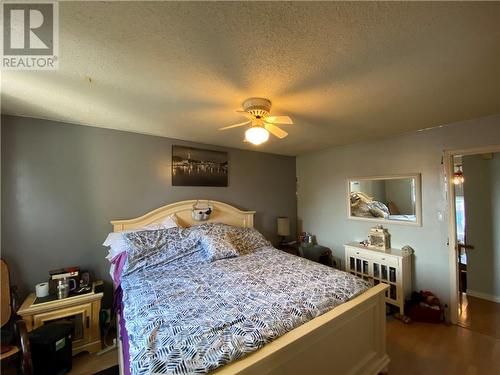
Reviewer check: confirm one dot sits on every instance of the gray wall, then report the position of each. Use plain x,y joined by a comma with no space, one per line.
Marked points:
482,225
399,192
63,183
322,192
372,188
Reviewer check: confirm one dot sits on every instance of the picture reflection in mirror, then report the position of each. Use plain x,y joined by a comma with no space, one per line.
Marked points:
384,198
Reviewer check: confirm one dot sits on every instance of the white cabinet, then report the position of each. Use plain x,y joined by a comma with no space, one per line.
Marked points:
391,267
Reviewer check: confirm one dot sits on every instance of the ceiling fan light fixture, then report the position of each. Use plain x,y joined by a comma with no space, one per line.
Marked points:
257,111
256,135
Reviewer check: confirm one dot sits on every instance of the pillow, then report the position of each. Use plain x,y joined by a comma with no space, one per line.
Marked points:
393,208
168,222
118,244
245,240
147,248
217,247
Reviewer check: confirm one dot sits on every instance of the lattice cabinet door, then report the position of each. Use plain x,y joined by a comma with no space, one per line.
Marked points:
391,267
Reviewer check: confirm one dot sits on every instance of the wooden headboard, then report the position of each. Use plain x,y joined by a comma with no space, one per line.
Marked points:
222,213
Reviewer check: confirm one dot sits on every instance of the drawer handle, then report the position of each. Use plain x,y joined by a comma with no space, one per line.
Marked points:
88,322
357,252
383,258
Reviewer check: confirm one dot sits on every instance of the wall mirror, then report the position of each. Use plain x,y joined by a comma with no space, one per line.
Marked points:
385,199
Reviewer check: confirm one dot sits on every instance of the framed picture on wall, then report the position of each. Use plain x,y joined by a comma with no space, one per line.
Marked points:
197,167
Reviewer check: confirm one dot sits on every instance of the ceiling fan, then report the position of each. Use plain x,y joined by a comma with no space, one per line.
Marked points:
257,112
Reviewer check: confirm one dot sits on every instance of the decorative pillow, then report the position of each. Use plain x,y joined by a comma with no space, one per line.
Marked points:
218,247
246,240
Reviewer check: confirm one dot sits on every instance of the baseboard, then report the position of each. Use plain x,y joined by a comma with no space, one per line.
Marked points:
488,297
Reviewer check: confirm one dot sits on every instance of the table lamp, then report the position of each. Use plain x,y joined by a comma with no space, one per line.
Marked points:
283,224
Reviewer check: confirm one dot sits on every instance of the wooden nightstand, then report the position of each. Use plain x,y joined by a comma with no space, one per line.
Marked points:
82,310
291,249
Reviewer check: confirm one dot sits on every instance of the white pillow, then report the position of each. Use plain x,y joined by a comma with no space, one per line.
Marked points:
118,244
168,222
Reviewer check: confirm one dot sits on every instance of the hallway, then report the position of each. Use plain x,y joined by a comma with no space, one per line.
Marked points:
479,315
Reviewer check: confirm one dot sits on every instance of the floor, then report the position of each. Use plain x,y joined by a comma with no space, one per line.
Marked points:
89,364
479,315
417,348
421,348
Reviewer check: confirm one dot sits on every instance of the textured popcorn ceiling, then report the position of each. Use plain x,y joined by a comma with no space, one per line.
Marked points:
345,72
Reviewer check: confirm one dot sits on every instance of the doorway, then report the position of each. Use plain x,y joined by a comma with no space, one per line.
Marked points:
474,201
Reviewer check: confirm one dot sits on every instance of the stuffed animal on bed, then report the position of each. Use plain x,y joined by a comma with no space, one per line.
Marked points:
364,206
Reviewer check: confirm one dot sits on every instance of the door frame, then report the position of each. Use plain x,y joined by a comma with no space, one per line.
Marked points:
452,230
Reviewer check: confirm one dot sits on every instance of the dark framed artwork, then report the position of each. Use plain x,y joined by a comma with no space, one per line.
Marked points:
197,167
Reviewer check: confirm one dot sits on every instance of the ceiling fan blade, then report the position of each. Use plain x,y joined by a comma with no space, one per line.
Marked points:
274,130
235,125
286,120
244,113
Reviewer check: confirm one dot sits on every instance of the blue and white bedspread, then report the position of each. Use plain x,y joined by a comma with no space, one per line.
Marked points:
185,315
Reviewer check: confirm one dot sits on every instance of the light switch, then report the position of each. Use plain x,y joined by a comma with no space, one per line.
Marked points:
440,216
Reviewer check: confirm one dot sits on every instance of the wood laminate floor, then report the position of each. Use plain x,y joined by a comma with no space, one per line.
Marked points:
479,315
421,348
89,364
415,349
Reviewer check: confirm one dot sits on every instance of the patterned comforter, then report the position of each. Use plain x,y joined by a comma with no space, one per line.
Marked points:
185,315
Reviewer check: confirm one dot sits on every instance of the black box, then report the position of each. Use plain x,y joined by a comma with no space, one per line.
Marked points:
51,348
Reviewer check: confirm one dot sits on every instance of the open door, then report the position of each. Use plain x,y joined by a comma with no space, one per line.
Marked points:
476,188
459,243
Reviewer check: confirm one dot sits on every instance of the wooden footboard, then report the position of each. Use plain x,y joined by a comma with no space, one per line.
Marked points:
350,339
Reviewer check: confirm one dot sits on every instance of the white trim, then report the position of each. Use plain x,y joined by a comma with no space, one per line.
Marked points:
452,230
486,296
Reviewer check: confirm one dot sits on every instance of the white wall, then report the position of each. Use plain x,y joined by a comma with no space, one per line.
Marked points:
322,190
482,223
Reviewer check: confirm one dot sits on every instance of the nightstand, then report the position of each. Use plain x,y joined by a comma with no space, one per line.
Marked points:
317,253
83,310
291,249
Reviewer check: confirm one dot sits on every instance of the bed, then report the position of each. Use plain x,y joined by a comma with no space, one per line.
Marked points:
348,338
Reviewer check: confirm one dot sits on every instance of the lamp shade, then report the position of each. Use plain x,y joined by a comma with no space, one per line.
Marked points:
283,226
